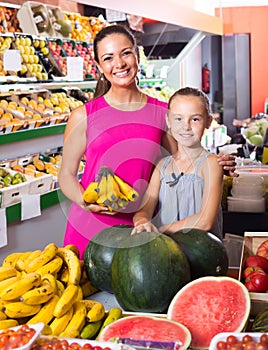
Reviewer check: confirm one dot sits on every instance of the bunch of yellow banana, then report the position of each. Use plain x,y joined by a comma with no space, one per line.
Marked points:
50,294
110,190
92,329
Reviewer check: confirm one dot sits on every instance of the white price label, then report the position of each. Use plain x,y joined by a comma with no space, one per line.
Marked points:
12,60
75,67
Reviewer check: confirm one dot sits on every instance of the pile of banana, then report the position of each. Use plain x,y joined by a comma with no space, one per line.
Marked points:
110,190
49,286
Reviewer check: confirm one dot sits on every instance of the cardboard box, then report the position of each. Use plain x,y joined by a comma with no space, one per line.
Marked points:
251,242
12,194
34,19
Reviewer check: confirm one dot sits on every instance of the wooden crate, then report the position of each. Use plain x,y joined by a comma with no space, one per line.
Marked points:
251,242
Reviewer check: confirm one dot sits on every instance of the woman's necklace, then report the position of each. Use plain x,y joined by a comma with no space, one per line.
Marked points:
126,106
176,177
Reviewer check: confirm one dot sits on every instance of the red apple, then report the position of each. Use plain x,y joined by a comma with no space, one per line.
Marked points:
250,269
257,260
257,282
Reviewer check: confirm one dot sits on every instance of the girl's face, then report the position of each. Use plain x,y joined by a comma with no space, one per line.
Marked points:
118,60
187,120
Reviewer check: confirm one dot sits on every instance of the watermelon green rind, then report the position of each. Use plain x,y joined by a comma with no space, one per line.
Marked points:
147,271
99,254
260,323
205,252
211,305
147,328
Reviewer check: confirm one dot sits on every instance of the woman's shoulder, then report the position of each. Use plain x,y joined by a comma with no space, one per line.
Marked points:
95,104
155,101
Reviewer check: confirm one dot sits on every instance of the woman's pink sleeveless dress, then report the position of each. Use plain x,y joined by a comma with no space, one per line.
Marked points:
129,143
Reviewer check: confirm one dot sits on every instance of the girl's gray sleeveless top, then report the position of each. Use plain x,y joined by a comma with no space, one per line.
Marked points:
183,198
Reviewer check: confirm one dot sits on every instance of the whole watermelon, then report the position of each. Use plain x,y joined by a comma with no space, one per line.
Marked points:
147,271
260,323
205,252
99,254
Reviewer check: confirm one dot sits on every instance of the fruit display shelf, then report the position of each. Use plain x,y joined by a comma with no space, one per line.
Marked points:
8,18
252,240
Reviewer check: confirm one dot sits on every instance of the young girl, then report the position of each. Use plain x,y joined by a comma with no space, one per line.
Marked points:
186,187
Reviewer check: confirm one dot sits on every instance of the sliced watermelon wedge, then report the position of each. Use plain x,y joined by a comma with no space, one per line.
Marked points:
146,328
211,305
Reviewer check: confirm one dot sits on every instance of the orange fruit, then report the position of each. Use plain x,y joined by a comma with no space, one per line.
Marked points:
4,103
7,116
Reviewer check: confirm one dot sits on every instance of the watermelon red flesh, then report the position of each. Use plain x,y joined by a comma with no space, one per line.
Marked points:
147,328
211,305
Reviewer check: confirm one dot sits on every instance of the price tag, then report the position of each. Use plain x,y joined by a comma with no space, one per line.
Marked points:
12,60
3,228
163,72
38,19
115,16
75,66
30,206
150,71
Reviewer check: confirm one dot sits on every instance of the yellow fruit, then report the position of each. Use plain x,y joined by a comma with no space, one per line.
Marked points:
35,58
36,43
22,41
28,41
42,43
31,59
23,69
24,100
45,50
25,58
26,50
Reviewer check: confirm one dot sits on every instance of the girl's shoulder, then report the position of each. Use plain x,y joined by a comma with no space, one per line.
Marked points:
212,157
163,162
210,164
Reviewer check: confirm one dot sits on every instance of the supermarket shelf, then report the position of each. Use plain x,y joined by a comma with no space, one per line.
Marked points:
46,200
85,84
31,134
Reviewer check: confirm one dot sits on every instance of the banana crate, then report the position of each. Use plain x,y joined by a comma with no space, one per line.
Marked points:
251,242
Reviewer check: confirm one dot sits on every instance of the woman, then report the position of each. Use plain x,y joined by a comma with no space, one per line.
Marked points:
121,128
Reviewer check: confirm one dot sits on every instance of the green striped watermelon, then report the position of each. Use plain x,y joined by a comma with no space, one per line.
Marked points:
99,254
147,271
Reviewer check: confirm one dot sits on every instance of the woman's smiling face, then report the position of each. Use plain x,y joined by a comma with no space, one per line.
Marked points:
118,59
